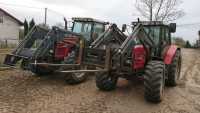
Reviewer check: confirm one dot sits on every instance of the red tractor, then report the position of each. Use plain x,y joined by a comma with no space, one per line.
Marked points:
44,51
147,53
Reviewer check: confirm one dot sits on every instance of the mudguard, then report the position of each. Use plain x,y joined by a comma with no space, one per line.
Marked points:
169,55
139,57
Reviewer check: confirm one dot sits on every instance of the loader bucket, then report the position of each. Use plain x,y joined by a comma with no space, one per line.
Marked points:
12,60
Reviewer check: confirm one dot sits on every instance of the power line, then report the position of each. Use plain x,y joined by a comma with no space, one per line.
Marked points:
57,13
40,8
192,24
24,6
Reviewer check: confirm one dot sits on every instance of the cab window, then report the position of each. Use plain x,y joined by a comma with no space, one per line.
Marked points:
83,28
154,33
165,39
98,29
167,35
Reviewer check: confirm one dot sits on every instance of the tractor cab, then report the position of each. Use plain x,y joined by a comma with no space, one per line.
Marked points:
159,33
89,28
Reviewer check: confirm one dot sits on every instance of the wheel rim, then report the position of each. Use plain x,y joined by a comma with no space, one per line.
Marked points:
79,75
111,79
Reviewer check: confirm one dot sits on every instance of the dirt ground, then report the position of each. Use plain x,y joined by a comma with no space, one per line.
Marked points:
22,92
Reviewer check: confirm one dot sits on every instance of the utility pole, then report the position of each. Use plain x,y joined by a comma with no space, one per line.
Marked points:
65,23
45,18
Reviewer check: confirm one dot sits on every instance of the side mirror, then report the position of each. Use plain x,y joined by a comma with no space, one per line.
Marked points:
172,27
124,27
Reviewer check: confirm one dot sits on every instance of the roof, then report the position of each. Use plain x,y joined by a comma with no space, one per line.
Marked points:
88,20
149,23
18,21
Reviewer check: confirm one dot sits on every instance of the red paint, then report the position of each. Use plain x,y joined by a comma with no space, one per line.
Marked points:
139,57
64,47
170,54
61,52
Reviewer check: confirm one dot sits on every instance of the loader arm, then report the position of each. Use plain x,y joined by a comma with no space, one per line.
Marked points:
24,51
111,34
124,53
35,33
139,33
95,55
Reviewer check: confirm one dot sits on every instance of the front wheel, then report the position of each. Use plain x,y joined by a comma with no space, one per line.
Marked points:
154,81
24,64
174,70
40,71
75,78
106,82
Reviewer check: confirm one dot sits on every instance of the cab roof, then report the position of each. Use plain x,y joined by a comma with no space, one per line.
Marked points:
82,19
150,23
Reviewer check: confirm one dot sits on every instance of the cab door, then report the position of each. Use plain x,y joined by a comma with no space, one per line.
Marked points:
98,29
165,40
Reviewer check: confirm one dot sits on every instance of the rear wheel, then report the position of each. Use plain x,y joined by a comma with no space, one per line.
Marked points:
106,82
154,81
174,70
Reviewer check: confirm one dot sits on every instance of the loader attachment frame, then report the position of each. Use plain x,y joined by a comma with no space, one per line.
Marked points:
104,56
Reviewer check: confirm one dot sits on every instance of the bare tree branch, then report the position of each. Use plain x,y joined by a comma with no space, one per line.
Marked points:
160,10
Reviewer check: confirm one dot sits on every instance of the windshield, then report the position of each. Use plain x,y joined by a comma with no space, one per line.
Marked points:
83,28
154,32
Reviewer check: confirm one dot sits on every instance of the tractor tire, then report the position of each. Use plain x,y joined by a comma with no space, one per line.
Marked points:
106,82
40,71
174,70
75,78
154,81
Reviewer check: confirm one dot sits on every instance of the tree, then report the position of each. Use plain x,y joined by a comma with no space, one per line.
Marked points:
31,24
21,34
179,41
160,10
188,45
25,27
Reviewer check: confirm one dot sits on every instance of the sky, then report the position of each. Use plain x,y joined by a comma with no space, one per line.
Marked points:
114,11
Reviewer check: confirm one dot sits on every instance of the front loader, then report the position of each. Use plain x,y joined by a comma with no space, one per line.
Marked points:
44,51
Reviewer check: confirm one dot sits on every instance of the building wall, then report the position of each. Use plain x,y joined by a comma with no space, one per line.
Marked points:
9,29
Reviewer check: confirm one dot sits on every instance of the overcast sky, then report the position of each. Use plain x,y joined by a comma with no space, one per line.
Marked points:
117,11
